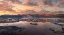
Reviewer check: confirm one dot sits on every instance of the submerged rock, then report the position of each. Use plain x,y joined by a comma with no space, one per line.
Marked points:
55,31
33,23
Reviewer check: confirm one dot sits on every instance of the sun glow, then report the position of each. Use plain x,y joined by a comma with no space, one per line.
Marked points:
18,8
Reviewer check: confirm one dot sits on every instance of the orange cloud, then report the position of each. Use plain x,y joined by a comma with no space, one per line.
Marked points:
33,6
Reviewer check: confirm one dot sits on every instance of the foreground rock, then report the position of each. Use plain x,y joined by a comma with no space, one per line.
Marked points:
10,30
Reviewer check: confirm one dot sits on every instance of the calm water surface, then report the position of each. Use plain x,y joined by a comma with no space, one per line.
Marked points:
41,28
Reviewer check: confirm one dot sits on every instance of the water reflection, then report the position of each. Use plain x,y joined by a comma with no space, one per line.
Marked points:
37,28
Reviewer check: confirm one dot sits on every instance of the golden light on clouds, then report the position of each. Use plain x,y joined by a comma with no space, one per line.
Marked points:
22,8
13,7
5,12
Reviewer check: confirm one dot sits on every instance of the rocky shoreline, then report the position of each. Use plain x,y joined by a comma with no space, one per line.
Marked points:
10,30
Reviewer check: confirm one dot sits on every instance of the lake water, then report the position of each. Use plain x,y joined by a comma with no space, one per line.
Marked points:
46,28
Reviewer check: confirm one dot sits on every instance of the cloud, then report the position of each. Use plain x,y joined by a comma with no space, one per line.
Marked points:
48,2
5,6
62,3
52,2
30,6
32,3
30,11
15,1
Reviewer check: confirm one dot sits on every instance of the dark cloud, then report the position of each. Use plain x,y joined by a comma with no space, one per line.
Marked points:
33,3
48,2
52,2
15,1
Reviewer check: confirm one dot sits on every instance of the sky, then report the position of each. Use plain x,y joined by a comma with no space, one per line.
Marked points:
14,7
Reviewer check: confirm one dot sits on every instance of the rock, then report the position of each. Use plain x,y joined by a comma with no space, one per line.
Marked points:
10,30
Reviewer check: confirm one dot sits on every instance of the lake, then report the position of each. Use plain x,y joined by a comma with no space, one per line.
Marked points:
37,28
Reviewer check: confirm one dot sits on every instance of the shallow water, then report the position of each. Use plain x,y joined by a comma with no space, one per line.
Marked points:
41,28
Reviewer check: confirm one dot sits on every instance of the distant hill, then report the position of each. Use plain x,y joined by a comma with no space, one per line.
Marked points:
34,16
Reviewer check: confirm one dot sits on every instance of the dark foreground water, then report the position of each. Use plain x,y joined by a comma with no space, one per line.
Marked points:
39,28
